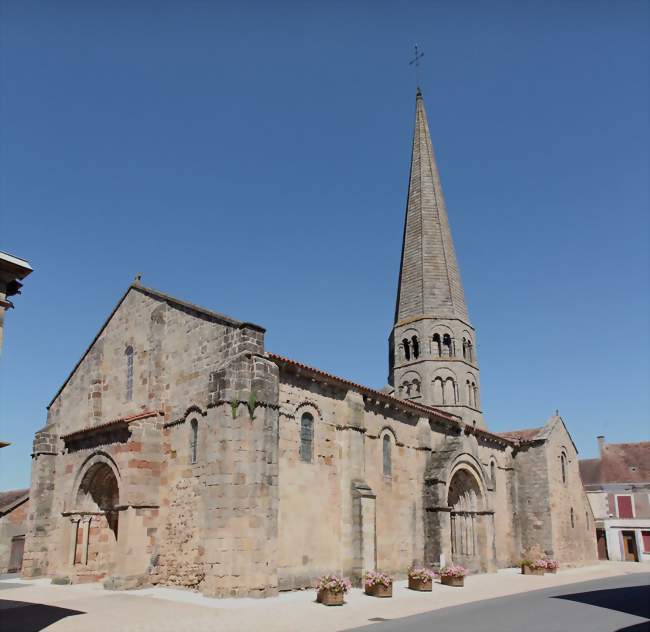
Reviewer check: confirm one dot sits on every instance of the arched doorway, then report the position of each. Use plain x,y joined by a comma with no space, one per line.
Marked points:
467,528
95,520
99,493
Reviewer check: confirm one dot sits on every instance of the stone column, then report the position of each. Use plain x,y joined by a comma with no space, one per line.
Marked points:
84,543
72,550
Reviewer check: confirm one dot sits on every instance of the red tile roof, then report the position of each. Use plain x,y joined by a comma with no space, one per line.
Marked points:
425,411
521,436
618,463
109,424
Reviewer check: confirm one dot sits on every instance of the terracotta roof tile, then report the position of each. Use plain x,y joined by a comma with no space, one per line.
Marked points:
522,436
618,463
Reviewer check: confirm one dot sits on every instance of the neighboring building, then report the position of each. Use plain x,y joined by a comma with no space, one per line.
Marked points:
618,487
14,506
179,451
12,271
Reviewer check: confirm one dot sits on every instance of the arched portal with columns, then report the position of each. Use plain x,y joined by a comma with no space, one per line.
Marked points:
94,517
465,500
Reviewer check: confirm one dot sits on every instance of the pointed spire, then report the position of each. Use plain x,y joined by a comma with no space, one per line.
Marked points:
429,283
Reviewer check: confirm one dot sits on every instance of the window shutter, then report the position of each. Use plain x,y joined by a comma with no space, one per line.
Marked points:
624,506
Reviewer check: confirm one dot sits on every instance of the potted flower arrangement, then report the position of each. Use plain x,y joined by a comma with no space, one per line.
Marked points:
420,578
452,575
551,566
532,567
378,584
330,589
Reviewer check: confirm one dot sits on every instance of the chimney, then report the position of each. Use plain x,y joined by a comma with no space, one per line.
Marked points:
601,443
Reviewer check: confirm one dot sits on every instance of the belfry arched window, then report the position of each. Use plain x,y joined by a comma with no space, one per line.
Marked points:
407,349
306,438
446,346
437,345
415,346
386,454
129,373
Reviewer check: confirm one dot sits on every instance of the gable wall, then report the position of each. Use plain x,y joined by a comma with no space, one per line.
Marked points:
574,544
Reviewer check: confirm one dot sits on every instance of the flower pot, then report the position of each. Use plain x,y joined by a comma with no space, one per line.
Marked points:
379,590
551,570
527,570
329,598
420,584
459,582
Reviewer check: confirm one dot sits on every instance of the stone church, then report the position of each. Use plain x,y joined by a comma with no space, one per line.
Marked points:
179,451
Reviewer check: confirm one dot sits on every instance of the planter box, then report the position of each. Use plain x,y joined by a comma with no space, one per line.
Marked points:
379,590
459,582
329,598
527,570
552,571
420,584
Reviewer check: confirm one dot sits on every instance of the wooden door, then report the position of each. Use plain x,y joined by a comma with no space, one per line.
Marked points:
629,547
16,556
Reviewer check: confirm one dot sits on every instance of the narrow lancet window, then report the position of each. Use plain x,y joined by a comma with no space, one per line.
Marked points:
194,440
129,373
306,438
388,466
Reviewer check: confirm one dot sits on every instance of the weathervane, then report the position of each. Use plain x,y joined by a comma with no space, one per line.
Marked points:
416,61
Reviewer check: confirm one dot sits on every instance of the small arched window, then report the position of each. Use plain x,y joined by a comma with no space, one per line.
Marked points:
194,440
386,448
464,348
563,467
129,373
416,347
469,351
437,345
573,519
446,345
306,438
493,474
407,349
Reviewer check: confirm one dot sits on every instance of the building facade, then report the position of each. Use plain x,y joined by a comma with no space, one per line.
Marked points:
14,507
618,487
12,271
180,451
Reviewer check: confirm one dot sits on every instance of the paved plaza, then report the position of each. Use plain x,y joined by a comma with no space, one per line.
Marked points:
30,605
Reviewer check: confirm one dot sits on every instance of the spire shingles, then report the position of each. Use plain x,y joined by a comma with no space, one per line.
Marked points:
429,283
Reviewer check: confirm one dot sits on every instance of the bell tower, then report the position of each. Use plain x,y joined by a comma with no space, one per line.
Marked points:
432,347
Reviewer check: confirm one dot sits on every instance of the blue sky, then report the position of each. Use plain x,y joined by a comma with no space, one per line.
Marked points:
252,157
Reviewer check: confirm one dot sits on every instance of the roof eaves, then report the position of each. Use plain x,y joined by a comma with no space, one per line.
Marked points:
425,411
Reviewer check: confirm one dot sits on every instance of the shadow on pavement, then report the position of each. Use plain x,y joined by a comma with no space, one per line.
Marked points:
639,627
23,616
634,600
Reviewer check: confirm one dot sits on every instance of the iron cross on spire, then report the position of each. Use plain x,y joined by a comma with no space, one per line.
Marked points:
416,60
